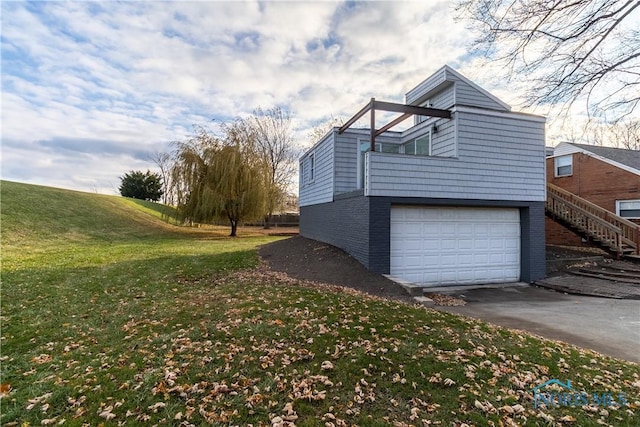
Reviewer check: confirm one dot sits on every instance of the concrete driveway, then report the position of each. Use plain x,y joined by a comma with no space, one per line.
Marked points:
608,326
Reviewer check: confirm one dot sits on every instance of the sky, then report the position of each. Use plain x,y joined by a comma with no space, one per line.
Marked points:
91,90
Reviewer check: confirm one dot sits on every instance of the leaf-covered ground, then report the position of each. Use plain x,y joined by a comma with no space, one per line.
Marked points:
255,347
152,325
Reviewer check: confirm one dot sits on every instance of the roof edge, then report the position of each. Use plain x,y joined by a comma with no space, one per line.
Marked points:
597,156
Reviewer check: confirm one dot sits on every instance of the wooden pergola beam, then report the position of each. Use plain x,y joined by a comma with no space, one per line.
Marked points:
412,109
406,110
391,124
355,118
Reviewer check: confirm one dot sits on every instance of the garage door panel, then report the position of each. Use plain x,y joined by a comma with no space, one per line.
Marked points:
465,244
448,245
513,243
512,259
480,258
481,244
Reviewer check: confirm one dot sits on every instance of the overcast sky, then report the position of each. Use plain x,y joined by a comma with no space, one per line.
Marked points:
91,89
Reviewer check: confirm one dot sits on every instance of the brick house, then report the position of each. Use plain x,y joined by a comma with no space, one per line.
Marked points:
608,177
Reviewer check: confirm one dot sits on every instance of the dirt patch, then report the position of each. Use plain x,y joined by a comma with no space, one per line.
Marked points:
561,258
555,252
308,259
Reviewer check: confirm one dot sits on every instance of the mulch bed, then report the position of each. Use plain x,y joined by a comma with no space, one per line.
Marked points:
307,259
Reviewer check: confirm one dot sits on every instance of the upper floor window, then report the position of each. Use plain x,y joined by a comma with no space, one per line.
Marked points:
307,168
387,148
564,165
419,147
629,209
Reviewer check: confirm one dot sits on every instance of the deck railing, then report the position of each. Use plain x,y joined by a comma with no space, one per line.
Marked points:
616,233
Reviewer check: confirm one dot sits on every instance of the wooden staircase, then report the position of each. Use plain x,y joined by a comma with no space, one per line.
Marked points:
610,231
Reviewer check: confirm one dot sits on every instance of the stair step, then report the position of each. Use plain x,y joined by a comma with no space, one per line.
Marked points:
635,281
583,217
611,273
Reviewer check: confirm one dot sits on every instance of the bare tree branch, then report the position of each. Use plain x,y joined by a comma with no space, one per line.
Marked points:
566,50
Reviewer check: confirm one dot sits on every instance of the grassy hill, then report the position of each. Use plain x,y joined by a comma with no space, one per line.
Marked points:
37,215
111,316
52,226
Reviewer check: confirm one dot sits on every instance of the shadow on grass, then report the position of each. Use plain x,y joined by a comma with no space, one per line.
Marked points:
166,213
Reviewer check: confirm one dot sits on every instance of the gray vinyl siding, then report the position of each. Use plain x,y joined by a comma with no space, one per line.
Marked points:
443,141
466,94
346,157
443,99
499,158
346,162
447,87
320,188
415,94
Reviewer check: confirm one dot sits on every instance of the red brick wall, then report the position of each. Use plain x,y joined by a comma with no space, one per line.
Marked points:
594,180
556,234
597,181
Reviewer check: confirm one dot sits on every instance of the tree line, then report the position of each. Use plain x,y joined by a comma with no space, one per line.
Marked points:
241,174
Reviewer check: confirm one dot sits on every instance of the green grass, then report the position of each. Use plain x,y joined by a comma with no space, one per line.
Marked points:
110,315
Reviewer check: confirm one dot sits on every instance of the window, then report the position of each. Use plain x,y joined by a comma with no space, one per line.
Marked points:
419,147
308,169
564,165
387,148
629,209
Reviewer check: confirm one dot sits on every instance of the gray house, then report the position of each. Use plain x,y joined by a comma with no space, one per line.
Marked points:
458,198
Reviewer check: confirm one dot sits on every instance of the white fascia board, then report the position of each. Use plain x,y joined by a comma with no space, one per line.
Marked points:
504,114
426,89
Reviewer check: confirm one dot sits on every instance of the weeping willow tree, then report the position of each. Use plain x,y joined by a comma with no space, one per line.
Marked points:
217,179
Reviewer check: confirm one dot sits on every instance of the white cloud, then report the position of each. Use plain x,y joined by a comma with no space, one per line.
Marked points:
88,87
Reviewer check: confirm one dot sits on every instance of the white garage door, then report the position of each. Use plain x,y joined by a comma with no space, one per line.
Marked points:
451,245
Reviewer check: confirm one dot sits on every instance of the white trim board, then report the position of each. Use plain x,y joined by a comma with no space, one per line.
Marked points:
567,148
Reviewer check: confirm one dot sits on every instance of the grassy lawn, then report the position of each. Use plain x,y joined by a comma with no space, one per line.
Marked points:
111,316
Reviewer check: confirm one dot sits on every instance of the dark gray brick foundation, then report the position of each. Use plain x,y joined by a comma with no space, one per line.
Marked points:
361,227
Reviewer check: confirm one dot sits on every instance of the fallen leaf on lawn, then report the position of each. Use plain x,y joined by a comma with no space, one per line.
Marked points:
326,366
156,406
43,358
107,414
5,388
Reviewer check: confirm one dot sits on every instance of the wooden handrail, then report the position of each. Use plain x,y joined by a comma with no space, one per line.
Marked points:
614,231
